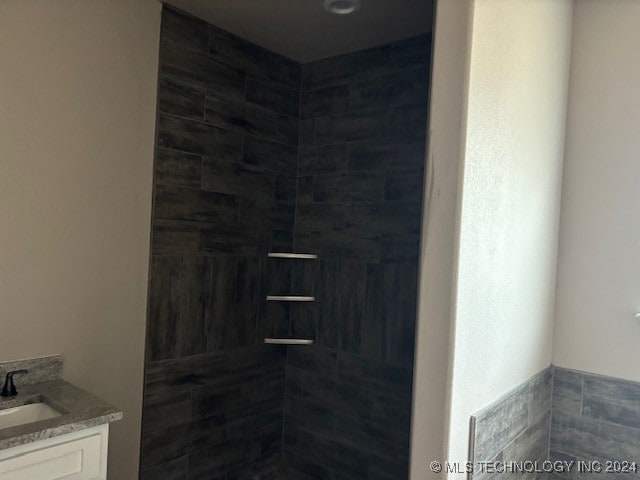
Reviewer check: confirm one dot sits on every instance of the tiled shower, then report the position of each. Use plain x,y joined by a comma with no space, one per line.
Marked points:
257,154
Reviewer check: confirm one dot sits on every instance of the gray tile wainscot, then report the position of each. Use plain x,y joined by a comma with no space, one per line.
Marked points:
515,427
595,418
567,416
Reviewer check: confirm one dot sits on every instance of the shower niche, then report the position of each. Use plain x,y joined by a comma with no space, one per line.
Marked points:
262,363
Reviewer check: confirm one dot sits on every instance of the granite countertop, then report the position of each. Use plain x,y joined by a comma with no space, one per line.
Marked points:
79,410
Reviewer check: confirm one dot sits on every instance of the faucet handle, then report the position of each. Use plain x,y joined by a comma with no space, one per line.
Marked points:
9,388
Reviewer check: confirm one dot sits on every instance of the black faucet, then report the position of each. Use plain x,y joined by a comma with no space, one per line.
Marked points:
9,389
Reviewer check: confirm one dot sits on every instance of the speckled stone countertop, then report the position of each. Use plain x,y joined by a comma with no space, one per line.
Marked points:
79,410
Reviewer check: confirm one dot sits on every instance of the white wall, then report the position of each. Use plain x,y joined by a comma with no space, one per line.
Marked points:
512,174
77,119
445,150
599,253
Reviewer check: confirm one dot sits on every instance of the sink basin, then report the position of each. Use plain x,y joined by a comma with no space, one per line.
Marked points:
33,412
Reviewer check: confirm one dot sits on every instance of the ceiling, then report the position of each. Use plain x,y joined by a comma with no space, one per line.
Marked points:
304,31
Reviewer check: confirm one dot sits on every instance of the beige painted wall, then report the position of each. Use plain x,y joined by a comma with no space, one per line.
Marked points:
505,276
448,102
599,259
77,119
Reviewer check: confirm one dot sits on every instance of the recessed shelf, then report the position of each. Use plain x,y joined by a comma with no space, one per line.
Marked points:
289,298
301,256
288,341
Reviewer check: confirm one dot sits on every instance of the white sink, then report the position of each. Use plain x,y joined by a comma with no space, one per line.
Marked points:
33,412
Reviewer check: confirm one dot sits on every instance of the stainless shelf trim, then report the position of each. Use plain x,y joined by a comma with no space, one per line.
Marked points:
289,298
302,256
288,341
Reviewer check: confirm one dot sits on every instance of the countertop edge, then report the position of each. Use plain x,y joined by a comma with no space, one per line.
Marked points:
60,430
81,410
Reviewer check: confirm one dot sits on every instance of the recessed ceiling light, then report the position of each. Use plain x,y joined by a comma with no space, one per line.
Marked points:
342,7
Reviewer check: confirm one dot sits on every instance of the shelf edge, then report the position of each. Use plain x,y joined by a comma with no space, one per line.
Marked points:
288,341
289,298
301,256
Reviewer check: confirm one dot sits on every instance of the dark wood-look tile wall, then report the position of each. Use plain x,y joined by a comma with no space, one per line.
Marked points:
362,147
224,185
212,413
347,416
224,194
358,206
257,154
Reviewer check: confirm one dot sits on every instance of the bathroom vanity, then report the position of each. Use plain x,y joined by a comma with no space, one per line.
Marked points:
52,429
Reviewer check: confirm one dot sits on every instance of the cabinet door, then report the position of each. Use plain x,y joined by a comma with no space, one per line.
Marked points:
73,460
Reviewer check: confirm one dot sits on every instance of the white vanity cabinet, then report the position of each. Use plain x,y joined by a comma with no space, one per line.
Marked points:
80,455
